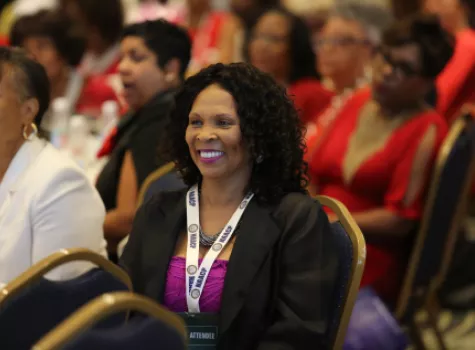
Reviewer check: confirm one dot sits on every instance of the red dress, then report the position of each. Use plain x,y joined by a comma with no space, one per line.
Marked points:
379,180
320,121
456,83
310,98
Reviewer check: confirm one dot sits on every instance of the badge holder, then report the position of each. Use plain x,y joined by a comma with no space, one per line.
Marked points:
202,329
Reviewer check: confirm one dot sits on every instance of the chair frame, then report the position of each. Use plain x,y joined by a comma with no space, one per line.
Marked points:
102,307
162,171
357,264
428,295
38,270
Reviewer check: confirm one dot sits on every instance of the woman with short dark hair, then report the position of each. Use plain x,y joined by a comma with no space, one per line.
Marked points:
52,40
154,56
46,202
244,249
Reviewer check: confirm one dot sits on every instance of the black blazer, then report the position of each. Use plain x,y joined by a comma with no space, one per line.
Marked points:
280,278
139,133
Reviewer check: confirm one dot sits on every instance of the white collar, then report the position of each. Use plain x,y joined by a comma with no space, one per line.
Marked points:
23,159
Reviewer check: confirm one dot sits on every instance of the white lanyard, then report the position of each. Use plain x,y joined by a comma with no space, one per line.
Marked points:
196,275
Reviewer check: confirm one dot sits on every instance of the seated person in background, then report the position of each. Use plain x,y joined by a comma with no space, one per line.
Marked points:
213,33
376,156
102,24
46,201
345,48
153,59
456,83
237,140
50,39
280,45
347,43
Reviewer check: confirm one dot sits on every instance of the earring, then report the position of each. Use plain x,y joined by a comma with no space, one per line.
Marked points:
33,133
259,159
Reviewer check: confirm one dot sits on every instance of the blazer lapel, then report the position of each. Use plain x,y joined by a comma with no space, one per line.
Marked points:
24,158
162,246
256,237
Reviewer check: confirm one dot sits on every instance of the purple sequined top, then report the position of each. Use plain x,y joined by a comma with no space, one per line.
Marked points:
175,297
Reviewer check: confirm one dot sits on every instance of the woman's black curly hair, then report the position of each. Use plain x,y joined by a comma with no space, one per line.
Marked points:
270,127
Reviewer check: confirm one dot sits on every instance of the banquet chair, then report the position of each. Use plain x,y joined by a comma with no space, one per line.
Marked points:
164,178
32,305
161,330
444,210
352,256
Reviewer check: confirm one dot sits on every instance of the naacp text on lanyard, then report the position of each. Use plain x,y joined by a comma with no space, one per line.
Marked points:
196,275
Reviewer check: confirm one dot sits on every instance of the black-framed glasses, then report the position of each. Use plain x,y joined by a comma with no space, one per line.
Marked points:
400,68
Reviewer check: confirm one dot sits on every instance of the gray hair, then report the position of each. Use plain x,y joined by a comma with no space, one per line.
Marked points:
374,16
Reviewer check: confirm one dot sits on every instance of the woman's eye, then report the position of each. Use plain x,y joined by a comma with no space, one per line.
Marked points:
136,57
195,122
224,123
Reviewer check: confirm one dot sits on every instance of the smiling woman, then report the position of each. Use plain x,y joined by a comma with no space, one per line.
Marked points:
214,135
264,270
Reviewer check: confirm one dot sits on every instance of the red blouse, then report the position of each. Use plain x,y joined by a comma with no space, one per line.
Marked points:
101,82
97,89
310,98
456,83
205,40
380,181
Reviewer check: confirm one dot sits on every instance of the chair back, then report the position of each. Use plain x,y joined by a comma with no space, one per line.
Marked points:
32,305
165,178
161,330
443,214
352,256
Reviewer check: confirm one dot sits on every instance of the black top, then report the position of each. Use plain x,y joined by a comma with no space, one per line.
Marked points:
280,277
140,134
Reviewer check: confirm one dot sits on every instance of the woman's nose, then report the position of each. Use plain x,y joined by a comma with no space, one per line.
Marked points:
123,66
206,134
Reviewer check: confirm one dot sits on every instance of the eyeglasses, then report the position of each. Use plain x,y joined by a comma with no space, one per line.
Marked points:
338,42
398,68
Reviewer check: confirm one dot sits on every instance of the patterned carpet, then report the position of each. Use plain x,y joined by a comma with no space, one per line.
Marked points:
458,329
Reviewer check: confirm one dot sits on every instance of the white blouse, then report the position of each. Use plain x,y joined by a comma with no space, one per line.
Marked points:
46,204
